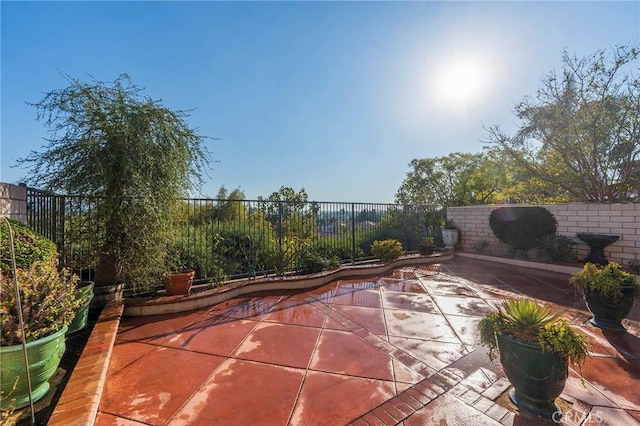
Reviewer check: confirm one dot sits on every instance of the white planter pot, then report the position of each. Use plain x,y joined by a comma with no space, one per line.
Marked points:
449,238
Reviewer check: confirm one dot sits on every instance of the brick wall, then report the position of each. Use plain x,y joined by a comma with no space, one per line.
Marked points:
618,219
13,202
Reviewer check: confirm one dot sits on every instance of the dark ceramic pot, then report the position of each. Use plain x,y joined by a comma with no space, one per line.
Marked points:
538,378
607,313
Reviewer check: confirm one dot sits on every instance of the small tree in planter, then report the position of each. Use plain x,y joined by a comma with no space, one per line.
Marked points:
609,292
535,348
134,155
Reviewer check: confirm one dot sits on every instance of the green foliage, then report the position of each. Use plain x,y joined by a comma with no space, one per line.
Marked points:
580,133
29,247
634,266
606,280
48,302
314,260
386,250
526,320
556,248
458,179
137,156
481,246
522,227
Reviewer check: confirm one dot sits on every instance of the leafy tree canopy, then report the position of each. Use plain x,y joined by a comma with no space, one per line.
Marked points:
581,133
454,180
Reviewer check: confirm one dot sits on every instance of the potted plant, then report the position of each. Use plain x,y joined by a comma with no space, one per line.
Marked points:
535,348
136,200
450,235
609,292
48,301
84,295
426,246
179,279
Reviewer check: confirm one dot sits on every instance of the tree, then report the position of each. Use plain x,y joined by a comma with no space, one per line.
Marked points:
581,133
295,220
455,180
108,140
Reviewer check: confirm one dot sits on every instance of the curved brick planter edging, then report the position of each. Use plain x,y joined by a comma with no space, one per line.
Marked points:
175,304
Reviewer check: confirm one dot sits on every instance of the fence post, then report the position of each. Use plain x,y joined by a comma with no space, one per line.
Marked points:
353,233
280,252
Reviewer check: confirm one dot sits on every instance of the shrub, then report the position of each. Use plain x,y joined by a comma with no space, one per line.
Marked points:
314,260
522,227
556,248
386,249
48,302
29,247
481,246
606,280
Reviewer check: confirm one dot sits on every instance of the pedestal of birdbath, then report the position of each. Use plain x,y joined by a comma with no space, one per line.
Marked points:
597,243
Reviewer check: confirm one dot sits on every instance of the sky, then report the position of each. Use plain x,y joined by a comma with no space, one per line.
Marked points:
333,97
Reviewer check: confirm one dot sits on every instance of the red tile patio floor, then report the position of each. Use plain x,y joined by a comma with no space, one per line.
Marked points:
397,349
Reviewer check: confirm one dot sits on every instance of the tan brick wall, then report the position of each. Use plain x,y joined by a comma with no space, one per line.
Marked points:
618,219
13,202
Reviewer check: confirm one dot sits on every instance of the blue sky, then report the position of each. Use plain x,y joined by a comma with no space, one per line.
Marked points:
335,97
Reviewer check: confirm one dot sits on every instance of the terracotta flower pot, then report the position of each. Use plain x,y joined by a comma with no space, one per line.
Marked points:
176,283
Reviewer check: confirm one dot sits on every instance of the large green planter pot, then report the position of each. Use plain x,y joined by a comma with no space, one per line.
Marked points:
44,357
538,378
607,314
84,293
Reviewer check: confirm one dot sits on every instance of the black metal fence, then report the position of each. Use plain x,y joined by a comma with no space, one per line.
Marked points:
233,238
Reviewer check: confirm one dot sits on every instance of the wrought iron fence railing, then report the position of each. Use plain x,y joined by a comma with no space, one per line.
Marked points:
238,238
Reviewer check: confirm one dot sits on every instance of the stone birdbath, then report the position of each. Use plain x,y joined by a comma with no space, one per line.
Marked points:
597,243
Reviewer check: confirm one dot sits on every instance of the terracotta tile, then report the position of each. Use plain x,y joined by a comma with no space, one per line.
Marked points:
607,416
370,318
106,419
436,355
330,399
469,306
216,335
419,325
409,301
346,353
243,393
124,353
332,324
441,286
249,308
615,378
465,327
365,298
404,286
154,329
157,384
297,311
354,285
448,410
322,294
279,344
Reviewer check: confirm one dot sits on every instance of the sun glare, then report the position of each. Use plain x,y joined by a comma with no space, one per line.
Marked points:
459,83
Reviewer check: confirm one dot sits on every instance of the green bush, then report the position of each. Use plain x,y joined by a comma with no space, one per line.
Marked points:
556,248
386,249
48,302
314,260
522,227
29,247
